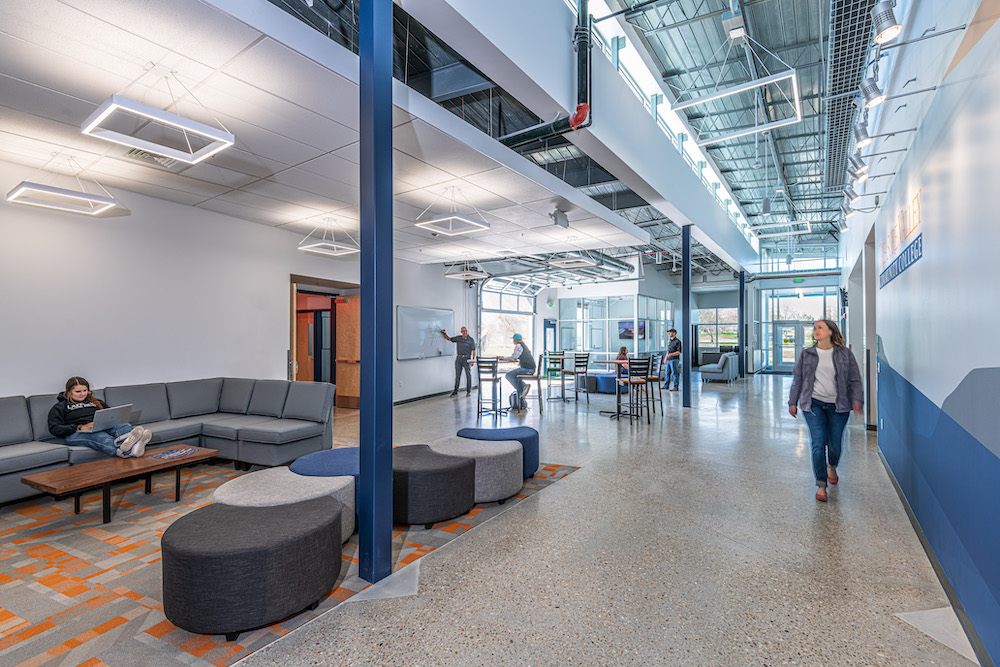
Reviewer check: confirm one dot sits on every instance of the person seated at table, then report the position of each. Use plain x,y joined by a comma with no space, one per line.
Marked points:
623,356
72,417
526,366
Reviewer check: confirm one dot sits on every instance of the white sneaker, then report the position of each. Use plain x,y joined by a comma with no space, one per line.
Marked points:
140,447
128,442
524,392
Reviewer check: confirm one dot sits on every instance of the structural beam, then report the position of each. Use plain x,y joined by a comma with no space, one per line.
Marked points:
375,480
741,341
687,343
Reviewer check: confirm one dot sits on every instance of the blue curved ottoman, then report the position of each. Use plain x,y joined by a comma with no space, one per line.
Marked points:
329,463
606,384
527,436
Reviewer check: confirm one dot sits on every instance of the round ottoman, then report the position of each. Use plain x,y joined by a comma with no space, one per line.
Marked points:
229,569
281,486
606,383
527,436
329,463
498,465
428,487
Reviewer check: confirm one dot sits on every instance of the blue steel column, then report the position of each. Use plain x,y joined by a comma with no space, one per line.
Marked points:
375,483
687,342
741,336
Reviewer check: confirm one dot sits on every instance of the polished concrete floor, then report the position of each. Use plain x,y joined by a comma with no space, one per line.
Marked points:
695,540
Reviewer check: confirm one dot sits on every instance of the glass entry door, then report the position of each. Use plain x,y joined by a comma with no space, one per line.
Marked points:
788,340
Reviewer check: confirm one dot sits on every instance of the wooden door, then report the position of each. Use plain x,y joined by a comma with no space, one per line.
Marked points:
348,352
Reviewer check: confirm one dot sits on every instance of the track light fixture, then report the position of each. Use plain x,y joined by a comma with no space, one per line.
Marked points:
872,93
846,210
861,138
887,28
843,226
858,178
851,195
857,164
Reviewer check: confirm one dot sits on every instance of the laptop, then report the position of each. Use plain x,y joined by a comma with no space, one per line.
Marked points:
112,417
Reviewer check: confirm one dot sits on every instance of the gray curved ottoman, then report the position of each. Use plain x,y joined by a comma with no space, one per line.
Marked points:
428,487
281,486
228,569
498,465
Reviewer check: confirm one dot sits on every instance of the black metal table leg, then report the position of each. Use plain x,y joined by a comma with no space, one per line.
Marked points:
149,482
177,485
106,493
76,504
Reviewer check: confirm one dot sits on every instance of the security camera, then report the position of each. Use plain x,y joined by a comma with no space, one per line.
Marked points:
434,234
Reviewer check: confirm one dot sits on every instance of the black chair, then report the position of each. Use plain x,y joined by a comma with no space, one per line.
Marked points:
538,379
488,371
637,381
555,362
579,370
654,378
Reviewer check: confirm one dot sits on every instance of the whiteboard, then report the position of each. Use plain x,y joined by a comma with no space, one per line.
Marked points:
418,332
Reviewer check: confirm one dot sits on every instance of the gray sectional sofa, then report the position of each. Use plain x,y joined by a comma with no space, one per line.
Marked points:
726,370
263,422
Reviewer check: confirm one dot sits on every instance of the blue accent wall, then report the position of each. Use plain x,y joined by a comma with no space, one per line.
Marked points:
951,481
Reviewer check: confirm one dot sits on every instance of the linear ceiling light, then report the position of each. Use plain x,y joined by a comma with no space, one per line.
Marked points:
573,261
790,223
141,126
453,224
851,195
60,199
871,92
798,232
861,138
887,28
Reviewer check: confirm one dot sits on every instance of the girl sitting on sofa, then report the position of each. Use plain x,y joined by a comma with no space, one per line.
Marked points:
72,417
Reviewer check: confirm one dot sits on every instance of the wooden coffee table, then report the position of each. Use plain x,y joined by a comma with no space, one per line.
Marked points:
74,480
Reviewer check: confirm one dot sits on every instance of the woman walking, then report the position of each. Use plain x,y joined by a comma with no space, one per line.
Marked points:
827,386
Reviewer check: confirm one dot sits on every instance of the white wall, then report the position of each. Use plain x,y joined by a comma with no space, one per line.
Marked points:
424,285
170,292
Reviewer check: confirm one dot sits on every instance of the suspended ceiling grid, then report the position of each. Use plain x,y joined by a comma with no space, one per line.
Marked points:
683,35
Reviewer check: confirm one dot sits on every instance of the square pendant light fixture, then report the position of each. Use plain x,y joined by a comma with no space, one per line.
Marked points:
329,248
467,271
60,199
573,261
69,200
130,123
453,224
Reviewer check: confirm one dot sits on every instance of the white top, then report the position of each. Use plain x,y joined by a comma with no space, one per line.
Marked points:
825,387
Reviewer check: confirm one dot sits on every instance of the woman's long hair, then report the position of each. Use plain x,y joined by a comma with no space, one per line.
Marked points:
622,353
836,337
77,380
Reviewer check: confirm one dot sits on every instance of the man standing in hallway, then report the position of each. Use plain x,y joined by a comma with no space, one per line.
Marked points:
526,366
465,349
673,358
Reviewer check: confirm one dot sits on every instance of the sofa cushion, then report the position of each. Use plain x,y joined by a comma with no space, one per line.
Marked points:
268,397
280,431
38,410
28,455
175,429
194,397
235,395
15,425
229,428
312,401
151,399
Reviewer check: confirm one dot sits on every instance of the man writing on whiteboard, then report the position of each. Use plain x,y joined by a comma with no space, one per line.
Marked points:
465,348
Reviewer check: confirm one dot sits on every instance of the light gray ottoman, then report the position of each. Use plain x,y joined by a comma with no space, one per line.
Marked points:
281,486
498,465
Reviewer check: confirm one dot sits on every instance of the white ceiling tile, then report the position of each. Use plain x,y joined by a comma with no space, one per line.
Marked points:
281,210
208,171
509,184
139,172
245,212
236,159
431,145
333,166
317,185
284,73
521,216
416,172
290,195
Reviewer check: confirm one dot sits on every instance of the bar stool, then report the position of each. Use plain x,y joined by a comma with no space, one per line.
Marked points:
538,379
654,377
580,364
555,362
487,369
637,381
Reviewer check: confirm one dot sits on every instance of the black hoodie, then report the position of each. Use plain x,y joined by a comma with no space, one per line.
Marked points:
66,417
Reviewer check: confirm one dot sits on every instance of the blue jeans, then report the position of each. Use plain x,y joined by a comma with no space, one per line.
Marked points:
516,381
674,371
102,441
826,427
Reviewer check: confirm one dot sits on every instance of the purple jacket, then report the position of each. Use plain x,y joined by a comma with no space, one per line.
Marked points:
849,386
